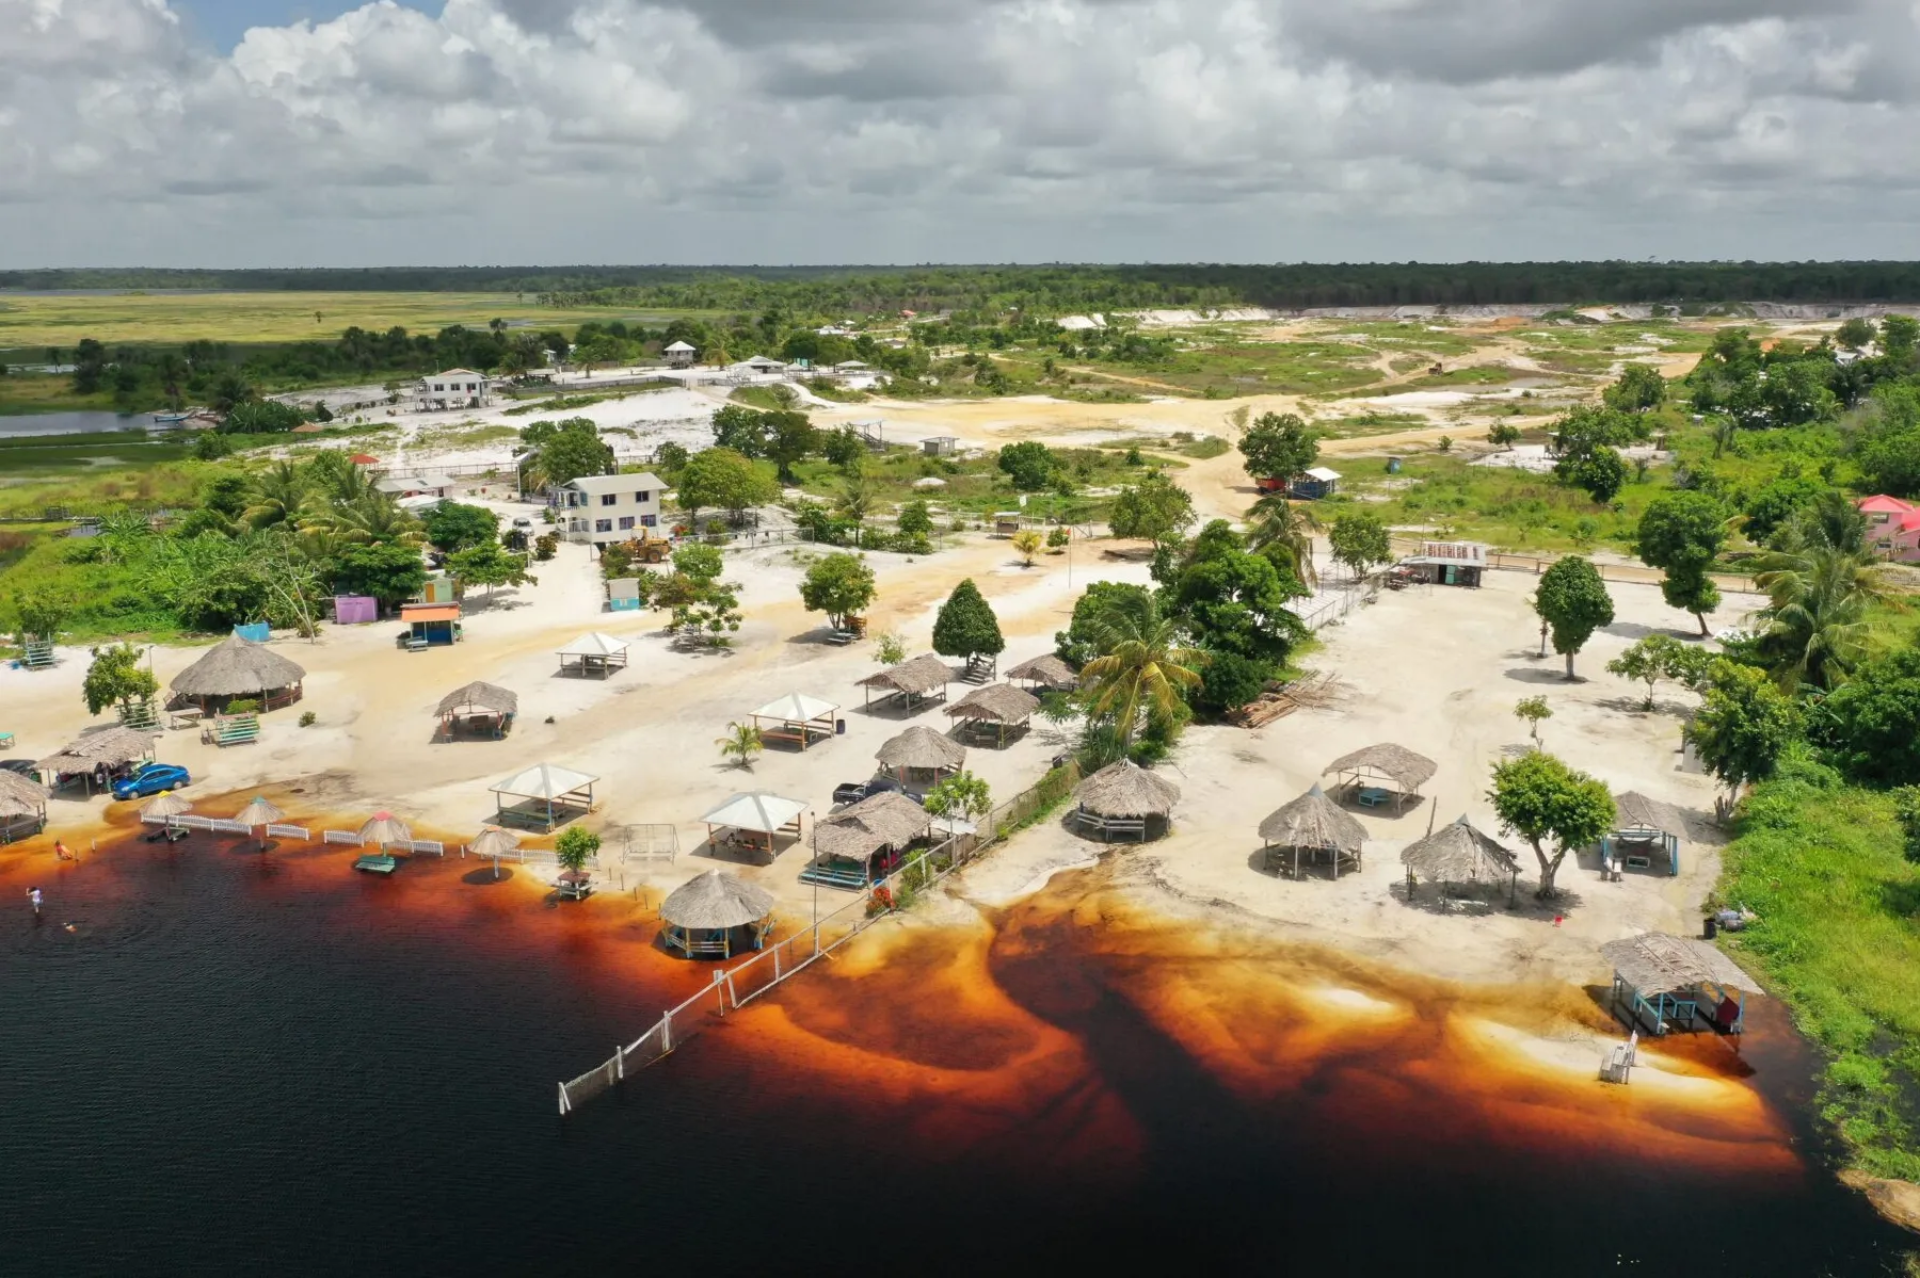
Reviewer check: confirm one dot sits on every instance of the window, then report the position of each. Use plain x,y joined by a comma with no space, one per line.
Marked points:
609,499
641,498
603,525
439,386
626,522
649,521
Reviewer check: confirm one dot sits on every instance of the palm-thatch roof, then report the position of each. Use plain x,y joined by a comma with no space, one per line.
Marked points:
716,901
1636,811
110,747
1048,670
1000,703
921,747
1314,821
258,812
1407,770
479,696
912,678
384,828
21,797
166,804
885,820
237,667
1458,853
494,841
1127,791
1655,962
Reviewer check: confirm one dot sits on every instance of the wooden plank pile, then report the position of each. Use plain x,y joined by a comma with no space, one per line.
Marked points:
1281,700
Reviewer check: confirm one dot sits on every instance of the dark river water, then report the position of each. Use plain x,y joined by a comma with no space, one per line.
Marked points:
72,423
235,1064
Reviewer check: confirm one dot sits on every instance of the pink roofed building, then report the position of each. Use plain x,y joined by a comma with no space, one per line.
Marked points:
1893,528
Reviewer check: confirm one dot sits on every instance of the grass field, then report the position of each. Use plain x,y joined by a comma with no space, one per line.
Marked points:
48,456
31,323
47,393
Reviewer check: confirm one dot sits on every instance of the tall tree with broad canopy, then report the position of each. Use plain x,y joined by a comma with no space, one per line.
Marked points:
1232,600
1279,446
383,571
1681,534
966,626
840,585
722,479
1639,388
1156,509
1744,726
116,677
1573,602
1550,804
452,526
1360,541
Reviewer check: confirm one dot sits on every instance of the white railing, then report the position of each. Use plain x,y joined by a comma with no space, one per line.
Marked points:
349,837
290,832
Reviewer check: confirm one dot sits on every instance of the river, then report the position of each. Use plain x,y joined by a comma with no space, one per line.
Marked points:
245,1063
72,423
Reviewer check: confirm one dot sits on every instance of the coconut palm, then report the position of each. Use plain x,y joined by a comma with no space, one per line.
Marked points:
333,473
1275,522
740,744
372,518
280,495
1816,612
1143,666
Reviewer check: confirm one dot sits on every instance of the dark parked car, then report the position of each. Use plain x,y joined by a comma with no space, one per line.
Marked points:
150,779
854,791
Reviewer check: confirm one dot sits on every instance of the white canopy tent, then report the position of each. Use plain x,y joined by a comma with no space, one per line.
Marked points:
746,815
798,718
594,653
545,788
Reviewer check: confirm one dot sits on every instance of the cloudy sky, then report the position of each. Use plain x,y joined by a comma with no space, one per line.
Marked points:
270,132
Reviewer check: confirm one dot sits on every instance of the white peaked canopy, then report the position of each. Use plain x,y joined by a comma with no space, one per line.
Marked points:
595,644
679,348
545,781
765,813
796,707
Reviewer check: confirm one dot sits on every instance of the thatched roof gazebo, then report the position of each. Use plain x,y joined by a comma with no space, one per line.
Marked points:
1124,800
1659,980
1001,705
715,914
486,704
1316,825
1458,853
1646,831
238,669
846,843
23,807
108,750
1389,762
921,755
910,681
1048,672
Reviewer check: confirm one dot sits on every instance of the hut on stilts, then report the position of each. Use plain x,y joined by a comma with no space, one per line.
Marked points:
716,916
1125,801
1000,707
1458,855
1316,825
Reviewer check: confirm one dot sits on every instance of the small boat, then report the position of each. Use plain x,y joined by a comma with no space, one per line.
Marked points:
377,863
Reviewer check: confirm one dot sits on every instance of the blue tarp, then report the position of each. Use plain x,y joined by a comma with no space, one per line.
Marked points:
259,632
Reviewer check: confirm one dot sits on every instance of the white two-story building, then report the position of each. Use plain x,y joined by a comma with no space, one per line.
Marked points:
455,388
603,509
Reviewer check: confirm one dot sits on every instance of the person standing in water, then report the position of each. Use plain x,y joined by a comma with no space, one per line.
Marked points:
33,894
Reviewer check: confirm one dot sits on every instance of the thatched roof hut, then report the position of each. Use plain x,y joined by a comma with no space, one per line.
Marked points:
1458,853
921,749
238,668
1660,980
911,680
1645,831
23,803
109,748
1001,705
482,698
1636,811
1405,769
703,914
1316,825
887,821
1046,672
1124,800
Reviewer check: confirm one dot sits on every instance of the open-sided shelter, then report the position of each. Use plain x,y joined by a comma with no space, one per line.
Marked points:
98,756
908,683
1000,707
1447,563
481,708
1125,801
543,796
798,719
715,916
23,807
1360,772
1646,836
847,844
1048,673
237,669
755,820
1317,826
921,757
1660,981
1457,854
594,654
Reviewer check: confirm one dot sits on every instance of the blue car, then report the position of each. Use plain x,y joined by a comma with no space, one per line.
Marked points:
150,779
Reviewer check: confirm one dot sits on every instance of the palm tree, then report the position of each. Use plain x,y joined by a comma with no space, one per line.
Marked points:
856,497
1143,666
740,744
1817,600
281,495
373,517
334,474
1276,522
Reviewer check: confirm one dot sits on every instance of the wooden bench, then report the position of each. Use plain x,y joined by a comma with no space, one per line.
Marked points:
847,880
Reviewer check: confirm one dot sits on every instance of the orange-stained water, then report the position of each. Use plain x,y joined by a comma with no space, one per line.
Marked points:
246,1061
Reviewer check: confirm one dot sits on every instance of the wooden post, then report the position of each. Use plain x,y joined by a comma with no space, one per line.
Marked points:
619,1063
666,1032
564,1106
